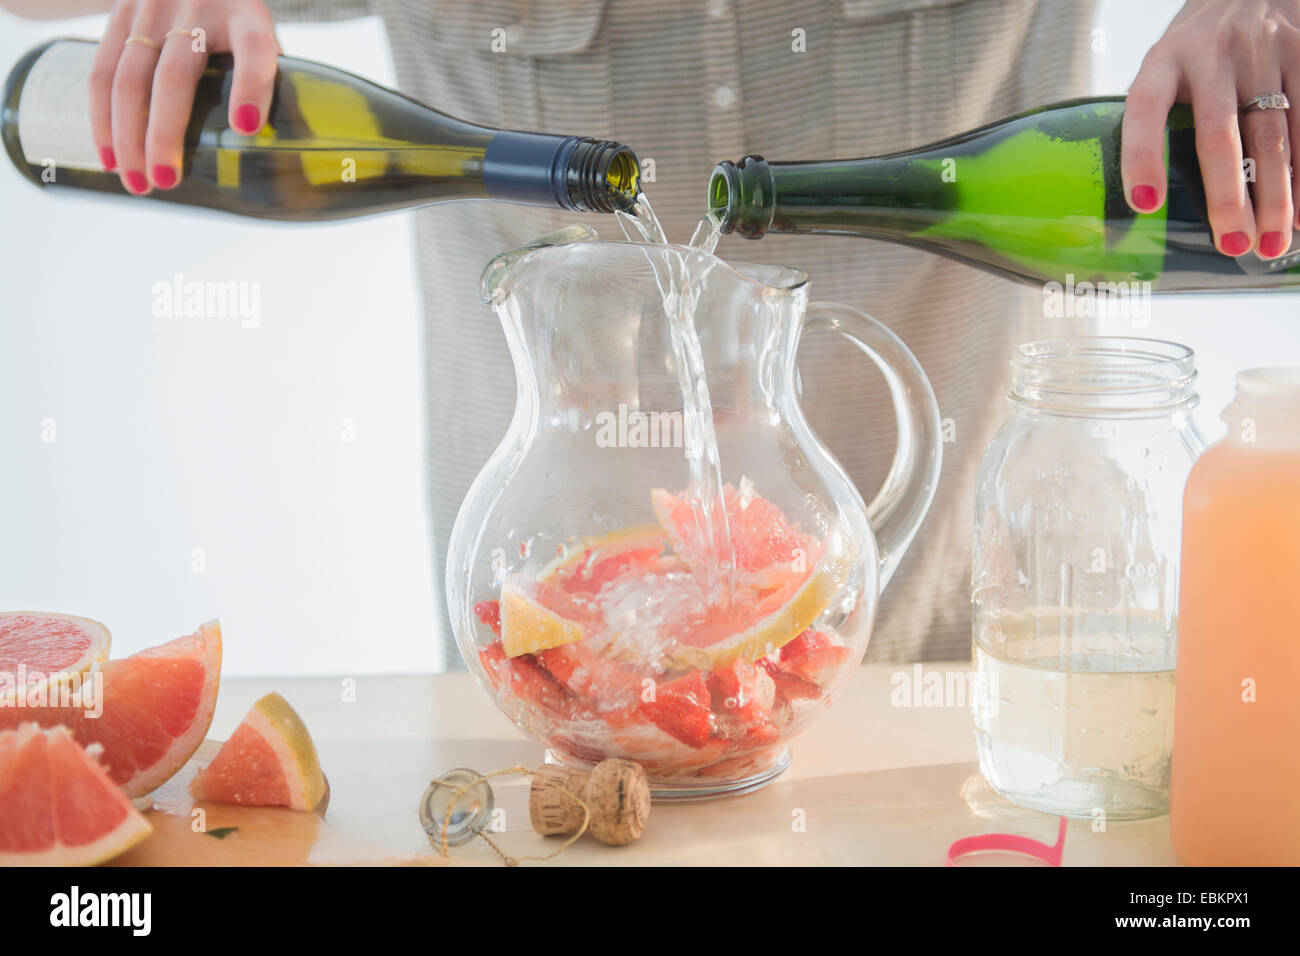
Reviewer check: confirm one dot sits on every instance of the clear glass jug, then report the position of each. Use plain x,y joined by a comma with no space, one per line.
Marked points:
604,611
1078,510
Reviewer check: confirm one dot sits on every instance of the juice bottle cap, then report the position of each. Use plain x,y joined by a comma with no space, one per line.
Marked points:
1276,384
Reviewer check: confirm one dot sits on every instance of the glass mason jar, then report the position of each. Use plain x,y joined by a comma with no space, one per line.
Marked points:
1074,583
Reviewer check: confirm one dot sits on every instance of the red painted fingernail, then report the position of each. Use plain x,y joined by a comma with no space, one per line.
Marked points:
1270,245
247,118
136,182
107,158
1144,197
164,176
1234,243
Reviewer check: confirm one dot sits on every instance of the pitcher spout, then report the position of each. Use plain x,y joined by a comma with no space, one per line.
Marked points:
494,274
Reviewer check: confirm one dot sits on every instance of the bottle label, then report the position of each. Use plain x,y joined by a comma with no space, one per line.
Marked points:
54,108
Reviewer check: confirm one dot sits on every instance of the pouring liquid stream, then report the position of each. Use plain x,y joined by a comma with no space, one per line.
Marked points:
680,292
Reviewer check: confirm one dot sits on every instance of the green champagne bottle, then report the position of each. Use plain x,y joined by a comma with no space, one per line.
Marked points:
1037,197
334,145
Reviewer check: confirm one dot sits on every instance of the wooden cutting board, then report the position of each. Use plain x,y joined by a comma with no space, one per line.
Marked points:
261,836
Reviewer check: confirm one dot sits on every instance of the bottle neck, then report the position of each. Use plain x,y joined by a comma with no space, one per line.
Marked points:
573,173
1265,414
889,197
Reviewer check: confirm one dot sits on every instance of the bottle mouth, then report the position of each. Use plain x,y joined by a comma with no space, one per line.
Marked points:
742,197
724,181
1109,376
602,176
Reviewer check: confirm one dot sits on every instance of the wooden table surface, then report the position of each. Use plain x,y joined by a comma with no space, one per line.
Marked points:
871,782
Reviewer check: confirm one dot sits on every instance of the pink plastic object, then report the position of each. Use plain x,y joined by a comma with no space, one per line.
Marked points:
1009,843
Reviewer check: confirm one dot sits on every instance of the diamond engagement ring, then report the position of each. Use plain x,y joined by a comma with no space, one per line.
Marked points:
1266,101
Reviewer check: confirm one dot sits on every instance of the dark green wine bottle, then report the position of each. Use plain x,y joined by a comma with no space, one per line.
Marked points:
1037,197
333,146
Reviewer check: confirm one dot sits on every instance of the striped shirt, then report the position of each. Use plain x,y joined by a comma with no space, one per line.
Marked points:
687,84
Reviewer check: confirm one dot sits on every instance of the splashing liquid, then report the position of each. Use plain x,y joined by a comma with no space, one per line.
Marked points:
679,287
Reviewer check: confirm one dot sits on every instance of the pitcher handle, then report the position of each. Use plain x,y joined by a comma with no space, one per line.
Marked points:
903,500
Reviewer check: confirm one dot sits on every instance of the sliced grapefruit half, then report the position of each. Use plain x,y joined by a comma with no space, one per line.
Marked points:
58,806
269,761
149,712
51,649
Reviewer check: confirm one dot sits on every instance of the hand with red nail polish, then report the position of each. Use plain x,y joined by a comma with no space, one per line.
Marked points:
1217,55
141,94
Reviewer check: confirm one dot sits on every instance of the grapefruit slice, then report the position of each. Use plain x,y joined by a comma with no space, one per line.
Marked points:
754,630
767,547
603,558
150,712
58,807
538,616
269,761
39,647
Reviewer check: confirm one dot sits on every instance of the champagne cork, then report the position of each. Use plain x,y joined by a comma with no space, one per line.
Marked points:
617,792
552,812
619,796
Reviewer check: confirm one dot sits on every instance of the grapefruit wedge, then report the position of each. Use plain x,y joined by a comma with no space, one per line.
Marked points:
58,807
603,558
754,630
559,607
269,761
528,625
50,649
149,713
767,547
786,578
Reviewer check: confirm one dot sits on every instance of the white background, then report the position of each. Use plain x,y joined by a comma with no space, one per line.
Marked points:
181,434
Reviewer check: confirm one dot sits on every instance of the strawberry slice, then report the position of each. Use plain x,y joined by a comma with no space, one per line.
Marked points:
742,690
789,686
524,679
489,612
815,657
611,686
758,732
803,645
681,708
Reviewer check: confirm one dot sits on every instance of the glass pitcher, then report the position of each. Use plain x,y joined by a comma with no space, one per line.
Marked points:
1078,513
630,579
